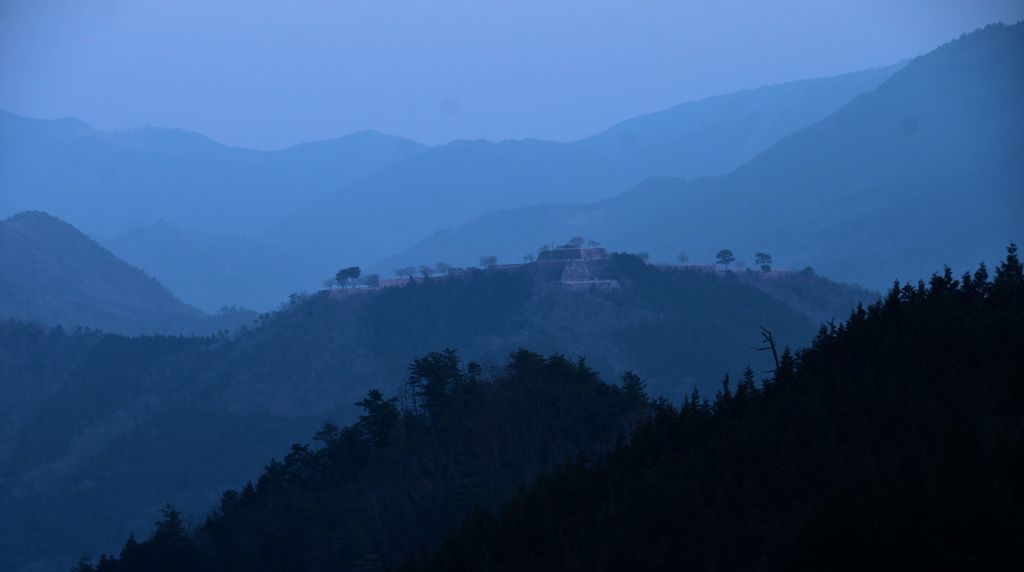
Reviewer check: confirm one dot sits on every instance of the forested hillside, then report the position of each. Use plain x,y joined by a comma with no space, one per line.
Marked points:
407,471
893,442
665,286
160,405
51,273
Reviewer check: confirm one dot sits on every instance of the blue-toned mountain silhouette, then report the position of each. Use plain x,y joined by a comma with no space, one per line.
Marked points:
923,171
52,274
450,184
107,183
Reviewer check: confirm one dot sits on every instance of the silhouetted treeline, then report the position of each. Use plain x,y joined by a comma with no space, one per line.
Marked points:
108,428
410,469
893,442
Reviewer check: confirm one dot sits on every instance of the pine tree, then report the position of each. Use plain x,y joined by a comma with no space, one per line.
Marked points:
84,565
380,417
634,387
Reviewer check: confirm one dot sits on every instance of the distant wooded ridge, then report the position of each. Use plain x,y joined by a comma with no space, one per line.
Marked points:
82,402
207,220
844,455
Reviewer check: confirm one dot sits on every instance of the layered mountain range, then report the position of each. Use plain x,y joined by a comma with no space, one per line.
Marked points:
183,207
53,274
922,171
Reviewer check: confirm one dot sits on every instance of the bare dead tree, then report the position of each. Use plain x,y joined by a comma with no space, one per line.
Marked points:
769,344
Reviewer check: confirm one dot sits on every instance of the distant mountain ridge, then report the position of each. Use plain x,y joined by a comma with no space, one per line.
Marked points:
52,274
714,135
450,184
212,270
444,185
924,170
108,182
366,196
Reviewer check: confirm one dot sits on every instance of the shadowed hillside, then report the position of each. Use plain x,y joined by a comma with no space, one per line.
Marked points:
886,439
53,274
402,475
159,405
892,442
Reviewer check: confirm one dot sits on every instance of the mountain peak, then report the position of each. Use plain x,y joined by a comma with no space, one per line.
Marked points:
35,218
55,274
356,139
921,171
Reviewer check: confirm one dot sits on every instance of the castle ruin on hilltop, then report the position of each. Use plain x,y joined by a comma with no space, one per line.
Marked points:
582,265
576,264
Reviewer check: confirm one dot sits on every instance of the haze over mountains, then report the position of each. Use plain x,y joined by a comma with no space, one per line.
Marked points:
905,414
112,182
300,213
809,195
922,171
715,135
212,270
51,273
816,162
387,211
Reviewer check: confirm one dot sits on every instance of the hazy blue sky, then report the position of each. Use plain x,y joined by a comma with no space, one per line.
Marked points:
272,73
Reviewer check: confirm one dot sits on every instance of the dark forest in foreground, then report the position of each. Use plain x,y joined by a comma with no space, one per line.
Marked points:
893,441
410,469
107,428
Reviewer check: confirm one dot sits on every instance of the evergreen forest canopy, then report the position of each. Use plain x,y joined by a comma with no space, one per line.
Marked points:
893,441
566,413
411,468
107,428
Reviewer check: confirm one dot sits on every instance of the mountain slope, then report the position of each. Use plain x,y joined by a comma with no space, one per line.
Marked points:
441,187
715,135
400,477
111,182
893,442
211,270
155,406
447,185
922,171
52,273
